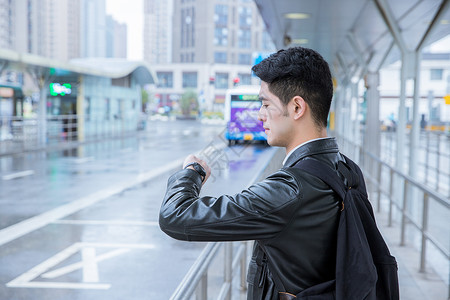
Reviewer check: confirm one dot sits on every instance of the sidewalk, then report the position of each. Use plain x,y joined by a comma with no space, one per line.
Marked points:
413,284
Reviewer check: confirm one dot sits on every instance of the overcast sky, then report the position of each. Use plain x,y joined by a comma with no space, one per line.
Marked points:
131,13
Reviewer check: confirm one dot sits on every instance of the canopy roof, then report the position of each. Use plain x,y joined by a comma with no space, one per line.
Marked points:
103,67
355,34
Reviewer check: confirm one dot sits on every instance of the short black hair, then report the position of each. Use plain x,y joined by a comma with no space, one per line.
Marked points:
299,71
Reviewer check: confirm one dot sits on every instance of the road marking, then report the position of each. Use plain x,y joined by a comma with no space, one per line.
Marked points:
90,267
17,230
88,263
83,160
107,222
126,150
18,175
22,228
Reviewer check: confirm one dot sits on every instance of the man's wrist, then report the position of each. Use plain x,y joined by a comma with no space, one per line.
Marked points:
198,168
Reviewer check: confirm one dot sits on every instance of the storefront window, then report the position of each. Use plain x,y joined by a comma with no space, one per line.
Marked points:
244,59
244,38
189,79
165,79
221,81
87,108
245,79
220,57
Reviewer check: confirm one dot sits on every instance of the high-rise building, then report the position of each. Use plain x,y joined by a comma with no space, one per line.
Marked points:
5,25
158,31
49,28
217,31
116,38
93,28
214,45
61,29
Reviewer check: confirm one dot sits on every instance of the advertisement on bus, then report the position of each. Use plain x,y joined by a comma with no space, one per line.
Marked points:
241,113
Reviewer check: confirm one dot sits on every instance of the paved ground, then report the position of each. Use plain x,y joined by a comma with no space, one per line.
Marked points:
82,224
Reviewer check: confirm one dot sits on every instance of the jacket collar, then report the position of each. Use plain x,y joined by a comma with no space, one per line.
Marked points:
320,146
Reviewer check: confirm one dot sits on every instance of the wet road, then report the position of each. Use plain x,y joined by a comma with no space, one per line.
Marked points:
82,224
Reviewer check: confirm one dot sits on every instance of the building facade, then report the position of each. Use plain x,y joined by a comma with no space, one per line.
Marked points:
116,38
214,45
209,81
60,29
223,32
48,28
93,28
158,31
434,86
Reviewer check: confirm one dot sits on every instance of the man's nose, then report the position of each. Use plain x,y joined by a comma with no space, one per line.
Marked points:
261,115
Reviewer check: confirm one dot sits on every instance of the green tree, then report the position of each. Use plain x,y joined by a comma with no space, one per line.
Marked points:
188,102
145,98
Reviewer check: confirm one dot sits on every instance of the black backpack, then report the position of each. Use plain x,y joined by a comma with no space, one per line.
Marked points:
365,269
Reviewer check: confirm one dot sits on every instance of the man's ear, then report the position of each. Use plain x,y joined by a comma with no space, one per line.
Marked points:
300,106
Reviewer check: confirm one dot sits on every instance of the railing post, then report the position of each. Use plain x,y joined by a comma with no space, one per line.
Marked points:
228,267
424,231
244,267
427,154
438,144
202,289
391,186
379,187
403,225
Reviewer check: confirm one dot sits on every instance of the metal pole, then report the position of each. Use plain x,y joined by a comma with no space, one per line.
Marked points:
202,289
403,225
244,267
391,185
228,267
415,129
438,144
448,159
427,156
401,126
424,231
42,114
379,187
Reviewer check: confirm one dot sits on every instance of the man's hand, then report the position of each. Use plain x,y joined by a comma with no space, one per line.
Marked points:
192,158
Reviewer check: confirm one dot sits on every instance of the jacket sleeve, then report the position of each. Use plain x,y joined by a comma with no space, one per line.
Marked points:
259,212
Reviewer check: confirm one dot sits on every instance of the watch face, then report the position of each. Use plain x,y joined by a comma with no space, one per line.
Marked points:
198,167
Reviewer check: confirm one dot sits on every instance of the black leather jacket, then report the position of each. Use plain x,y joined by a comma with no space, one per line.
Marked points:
293,214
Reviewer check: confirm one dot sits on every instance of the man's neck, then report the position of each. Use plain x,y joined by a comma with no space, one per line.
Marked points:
299,146
304,138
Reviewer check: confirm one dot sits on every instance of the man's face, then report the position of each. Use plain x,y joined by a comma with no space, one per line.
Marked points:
275,117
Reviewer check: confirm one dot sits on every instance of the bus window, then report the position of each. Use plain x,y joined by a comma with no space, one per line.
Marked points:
242,105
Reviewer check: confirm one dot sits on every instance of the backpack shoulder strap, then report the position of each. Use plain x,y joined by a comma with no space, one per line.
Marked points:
327,174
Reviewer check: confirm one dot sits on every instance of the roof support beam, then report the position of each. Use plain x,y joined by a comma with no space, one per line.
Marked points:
445,5
386,54
388,17
42,78
443,8
344,67
363,64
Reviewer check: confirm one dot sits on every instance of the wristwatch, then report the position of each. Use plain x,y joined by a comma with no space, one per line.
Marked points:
197,167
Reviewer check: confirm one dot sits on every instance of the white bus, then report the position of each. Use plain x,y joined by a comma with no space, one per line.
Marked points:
242,105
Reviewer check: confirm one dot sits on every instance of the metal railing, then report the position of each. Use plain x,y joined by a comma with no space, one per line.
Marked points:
414,211
433,161
19,134
196,280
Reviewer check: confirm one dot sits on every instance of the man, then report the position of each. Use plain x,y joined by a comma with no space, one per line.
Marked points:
292,213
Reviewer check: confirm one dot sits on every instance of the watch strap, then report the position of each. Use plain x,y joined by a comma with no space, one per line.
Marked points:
198,168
